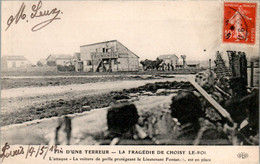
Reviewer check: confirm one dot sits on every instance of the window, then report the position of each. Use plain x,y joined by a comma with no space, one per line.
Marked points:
105,49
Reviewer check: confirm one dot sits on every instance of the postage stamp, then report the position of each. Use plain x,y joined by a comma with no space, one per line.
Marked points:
239,23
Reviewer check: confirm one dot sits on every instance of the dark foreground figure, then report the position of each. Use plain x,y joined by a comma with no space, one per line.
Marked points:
193,125
190,124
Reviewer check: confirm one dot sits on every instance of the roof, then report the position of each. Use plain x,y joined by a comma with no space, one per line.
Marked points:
98,43
63,56
108,42
13,57
60,56
128,49
167,56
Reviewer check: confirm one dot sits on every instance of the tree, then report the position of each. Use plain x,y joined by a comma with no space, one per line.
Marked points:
39,64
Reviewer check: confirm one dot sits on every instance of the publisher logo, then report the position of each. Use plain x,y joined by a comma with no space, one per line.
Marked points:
242,155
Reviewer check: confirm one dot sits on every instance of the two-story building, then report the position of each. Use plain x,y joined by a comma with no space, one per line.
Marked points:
108,56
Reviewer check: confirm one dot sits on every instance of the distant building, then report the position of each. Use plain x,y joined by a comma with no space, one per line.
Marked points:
76,56
255,60
253,81
108,56
61,59
189,65
76,61
14,62
42,62
169,61
193,65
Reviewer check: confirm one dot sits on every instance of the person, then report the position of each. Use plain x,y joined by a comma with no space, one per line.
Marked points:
121,117
122,123
245,112
194,127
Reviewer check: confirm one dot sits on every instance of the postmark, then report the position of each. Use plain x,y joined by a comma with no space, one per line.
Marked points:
239,23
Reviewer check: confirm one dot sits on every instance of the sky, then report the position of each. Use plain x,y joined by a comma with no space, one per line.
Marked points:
149,29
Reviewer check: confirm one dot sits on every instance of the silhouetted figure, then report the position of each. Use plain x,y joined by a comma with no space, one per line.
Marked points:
187,108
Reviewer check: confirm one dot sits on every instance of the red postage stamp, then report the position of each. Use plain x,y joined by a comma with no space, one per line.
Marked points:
239,24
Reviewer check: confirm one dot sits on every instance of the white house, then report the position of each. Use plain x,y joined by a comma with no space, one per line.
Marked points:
8,62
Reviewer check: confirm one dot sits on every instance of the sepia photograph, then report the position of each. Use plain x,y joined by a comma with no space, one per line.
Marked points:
143,73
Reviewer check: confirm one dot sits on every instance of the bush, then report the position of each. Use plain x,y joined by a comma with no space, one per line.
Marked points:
66,68
39,64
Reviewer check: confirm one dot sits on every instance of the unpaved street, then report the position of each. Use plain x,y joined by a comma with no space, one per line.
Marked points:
21,102
89,87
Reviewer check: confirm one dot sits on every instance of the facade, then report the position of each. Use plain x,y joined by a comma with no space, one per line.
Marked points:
169,61
9,62
59,60
109,56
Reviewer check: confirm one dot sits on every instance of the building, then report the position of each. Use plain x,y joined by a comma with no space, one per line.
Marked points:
189,65
109,56
61,59
9,62
42,62
76,61
169,61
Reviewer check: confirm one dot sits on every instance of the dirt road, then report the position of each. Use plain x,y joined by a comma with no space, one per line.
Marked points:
89,87
24,101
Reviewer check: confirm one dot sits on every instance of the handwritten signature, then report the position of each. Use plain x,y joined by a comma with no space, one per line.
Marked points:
31,151
36,13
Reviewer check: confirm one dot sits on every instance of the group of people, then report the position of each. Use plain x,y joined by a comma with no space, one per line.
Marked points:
194,120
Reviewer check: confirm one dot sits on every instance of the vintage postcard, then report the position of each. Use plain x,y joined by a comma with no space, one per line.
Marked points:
129,82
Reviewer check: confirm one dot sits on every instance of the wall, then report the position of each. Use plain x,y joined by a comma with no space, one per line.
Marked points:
63,62
256,77
17,63
86,50
128,60
171,59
